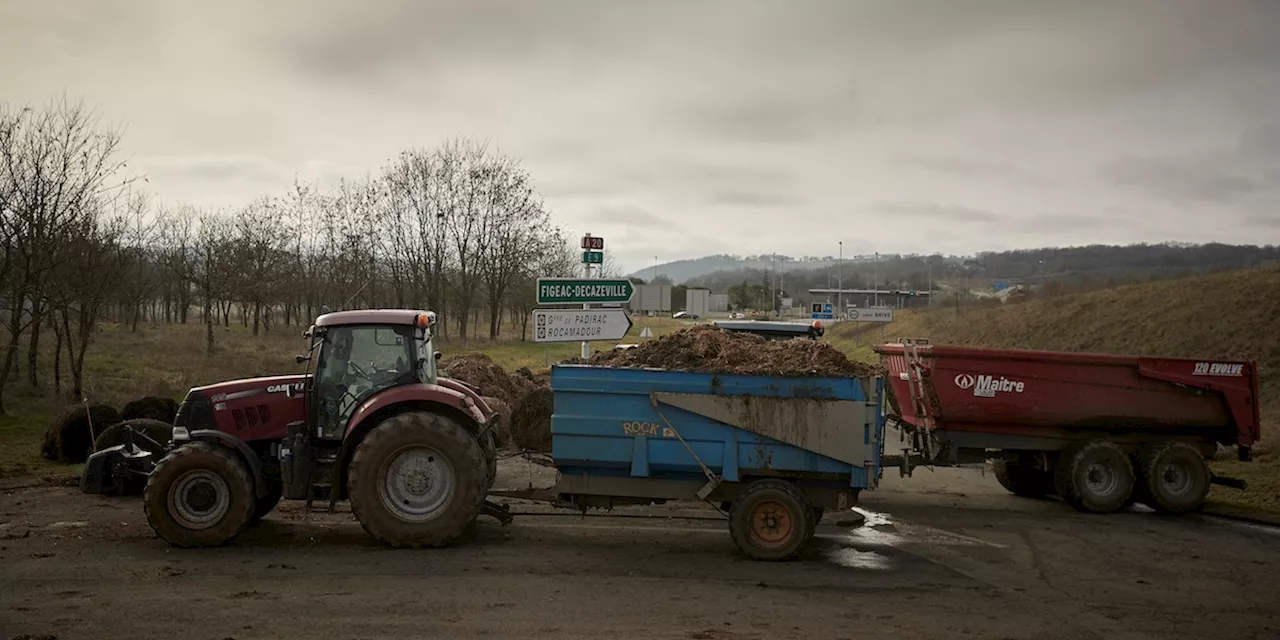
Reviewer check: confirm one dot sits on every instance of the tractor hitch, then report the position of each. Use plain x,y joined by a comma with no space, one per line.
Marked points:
117,470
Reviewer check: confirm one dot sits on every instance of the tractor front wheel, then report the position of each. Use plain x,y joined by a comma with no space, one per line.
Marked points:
200,495
419,479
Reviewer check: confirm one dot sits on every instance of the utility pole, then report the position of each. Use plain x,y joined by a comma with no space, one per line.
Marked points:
586,273
876,285
929,262
782,284
773,284
840,280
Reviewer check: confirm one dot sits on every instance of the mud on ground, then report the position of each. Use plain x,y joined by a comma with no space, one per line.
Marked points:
945,554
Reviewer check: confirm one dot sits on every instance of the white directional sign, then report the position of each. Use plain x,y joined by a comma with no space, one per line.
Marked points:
579,325
877,314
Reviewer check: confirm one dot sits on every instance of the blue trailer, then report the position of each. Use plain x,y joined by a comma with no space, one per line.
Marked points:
772,452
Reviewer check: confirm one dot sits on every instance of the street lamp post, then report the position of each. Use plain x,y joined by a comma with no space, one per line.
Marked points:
840,280
930,263
876,284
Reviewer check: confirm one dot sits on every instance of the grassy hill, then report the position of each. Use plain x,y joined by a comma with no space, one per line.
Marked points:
1233,314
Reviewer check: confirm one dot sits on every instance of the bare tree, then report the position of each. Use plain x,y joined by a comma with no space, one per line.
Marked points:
57,165
97,260
258,252
205,261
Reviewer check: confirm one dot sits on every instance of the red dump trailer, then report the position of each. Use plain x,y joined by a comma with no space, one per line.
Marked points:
1101,431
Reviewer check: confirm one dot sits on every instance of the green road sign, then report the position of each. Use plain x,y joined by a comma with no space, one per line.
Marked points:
593,257
583,290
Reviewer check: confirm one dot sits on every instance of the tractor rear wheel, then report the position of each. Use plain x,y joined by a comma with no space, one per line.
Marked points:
1094,476
1173,477
200,495
771,520
419,479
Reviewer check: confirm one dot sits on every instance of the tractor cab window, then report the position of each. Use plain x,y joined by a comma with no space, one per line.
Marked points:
355,363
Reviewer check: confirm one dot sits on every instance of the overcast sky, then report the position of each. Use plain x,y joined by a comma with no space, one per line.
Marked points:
681,128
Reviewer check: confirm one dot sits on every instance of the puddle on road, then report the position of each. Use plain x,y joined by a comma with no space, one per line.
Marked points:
855,559
877,530
856,547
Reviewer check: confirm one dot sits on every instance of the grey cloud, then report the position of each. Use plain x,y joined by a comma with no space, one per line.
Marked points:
631,215
769,118
1267,222
1065,222
951,215
215,169
973,166
972,120
1204,178
946,213
755,199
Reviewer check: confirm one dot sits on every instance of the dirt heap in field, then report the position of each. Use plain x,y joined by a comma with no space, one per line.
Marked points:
531,421
713,350
479,370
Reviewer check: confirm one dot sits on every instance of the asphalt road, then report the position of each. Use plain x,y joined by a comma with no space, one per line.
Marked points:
943,555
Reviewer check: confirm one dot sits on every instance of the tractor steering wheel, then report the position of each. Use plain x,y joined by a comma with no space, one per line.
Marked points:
358,371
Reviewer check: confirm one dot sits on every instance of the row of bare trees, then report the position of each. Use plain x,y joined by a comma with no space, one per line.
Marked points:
459,229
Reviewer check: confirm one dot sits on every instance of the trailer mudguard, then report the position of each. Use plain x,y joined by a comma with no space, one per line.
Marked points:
236,444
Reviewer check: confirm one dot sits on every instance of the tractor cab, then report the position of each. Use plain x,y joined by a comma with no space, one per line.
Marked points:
361,353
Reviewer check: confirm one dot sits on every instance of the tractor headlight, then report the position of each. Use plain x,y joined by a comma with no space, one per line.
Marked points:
180,434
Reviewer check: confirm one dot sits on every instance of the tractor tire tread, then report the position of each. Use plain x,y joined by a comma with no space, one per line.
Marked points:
468,459
802,513
1149,489
233,471
1076,454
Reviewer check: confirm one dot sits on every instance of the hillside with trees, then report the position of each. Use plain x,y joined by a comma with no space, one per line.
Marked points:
1078,267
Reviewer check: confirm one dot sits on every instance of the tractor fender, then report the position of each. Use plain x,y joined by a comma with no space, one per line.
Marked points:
466,403
213,436
416,397
468,390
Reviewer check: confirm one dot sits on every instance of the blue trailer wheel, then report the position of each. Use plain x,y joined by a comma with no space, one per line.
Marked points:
771,520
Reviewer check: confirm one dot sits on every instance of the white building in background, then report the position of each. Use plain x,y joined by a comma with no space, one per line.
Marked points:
697,302
719,303
652,298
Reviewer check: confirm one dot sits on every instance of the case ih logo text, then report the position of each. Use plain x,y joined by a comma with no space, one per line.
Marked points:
1218,369
988,386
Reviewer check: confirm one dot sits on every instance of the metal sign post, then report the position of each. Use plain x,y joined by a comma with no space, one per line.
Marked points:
587,243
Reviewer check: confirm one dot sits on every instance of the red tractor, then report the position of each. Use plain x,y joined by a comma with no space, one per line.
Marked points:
373,424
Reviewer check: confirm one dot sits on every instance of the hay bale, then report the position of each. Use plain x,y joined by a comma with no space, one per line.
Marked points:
157,430
501,425
151,408
69,439
531,421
